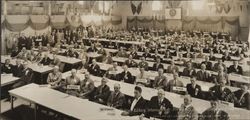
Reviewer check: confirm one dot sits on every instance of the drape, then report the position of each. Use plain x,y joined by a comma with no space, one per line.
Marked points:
58,21
131,21
145,21
39,22
16,23
73,21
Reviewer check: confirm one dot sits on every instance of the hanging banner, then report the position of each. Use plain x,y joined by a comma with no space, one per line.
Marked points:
173,13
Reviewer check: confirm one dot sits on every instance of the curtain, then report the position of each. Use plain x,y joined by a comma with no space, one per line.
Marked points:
231,25
16,23
160,22
131,21
73,21
116,20
39,22
58,21
188,23
145,21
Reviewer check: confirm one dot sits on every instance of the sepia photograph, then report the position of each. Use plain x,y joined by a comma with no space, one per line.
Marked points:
125,60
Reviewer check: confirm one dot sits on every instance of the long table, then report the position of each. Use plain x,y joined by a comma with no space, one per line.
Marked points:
66,104
177,100
7,79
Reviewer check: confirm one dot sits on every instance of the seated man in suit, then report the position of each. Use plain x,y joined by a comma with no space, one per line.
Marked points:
46,60
211,56
146,54
121,53
92,48
217,66
54,78
138,105
143,64
102,92
130,62
116,98
167,54
221,92
26,76
222,76
73,79
159,106
7,67
55,61
174,83
203,75
187,111
235,68
160,80
157,65
71,53
87,88
214,112
189,70
126,76
94,68
142,78
193,89
18,68
172,68
15,52
208,64
101,51
111,73
226,57
242,97
188,54
133,53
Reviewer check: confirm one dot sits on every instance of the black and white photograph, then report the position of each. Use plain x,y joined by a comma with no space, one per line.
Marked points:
125,60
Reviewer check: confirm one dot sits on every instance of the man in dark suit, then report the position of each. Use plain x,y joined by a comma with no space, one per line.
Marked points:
92,48
242,97
26,76
116,98
193,89
15,52
157,65
211,56
189,70
203,75
221,92
226,57
214,112
143,64
159,106
208,64
130,62
46,60
94,68
126,76
235,68
17,69
138,105
102,92
6,67
146,54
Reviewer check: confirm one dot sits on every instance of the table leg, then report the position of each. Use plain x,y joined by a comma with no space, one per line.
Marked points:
35,111
12,102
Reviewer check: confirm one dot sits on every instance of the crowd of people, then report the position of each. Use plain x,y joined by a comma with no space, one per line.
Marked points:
184,45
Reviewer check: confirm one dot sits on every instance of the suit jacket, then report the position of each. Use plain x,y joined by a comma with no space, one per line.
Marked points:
243,102
203,76
146,55
26,75
139,108
171,69
17,70
173,83
126,77
94,69
14,53
92,49
189,73
155,105
46,61
160,82
5,69
208,64
143,65
224,95
192,90
210,114
102,93
116,100
226,58
188,113
237,70
130,63
157,67
134,54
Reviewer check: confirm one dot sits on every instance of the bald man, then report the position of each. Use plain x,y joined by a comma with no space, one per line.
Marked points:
187,111
159,106
54,78
116,98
